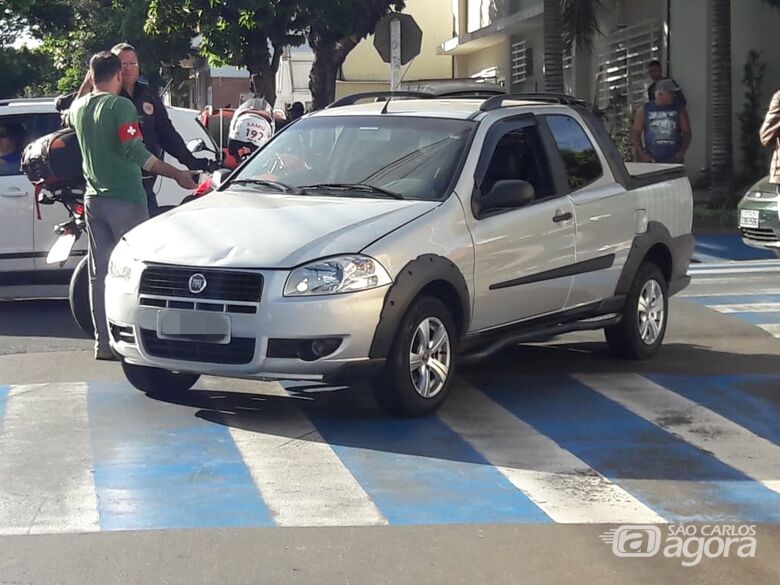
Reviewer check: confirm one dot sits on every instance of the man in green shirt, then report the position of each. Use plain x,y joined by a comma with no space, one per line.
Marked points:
114,154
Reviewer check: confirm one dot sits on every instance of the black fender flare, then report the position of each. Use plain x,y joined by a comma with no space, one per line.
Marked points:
680,251
411,280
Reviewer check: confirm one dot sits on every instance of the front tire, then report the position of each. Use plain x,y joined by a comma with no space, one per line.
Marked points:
157,380
422,361
78,296
641,332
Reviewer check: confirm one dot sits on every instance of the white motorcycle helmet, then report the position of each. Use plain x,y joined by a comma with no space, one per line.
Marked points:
253,123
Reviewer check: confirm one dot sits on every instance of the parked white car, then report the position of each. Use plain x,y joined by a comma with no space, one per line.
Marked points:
24,240
386,241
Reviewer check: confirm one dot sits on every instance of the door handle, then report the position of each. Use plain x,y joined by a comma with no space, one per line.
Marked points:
561,216
14,192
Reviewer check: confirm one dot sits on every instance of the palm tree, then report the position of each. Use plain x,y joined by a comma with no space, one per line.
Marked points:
567,23
721,153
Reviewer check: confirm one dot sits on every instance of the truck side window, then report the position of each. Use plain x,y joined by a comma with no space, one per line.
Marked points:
579,155
519,155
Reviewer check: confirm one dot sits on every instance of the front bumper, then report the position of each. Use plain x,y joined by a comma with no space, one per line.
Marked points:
352,317
765,235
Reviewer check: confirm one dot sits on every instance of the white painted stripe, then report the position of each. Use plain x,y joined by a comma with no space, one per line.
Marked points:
754,308
301,479
729,442
774,329
46,484
562,485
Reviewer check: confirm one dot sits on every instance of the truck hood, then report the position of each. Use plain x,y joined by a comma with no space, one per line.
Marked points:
259,230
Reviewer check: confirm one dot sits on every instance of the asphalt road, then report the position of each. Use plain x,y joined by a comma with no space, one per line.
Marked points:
538,453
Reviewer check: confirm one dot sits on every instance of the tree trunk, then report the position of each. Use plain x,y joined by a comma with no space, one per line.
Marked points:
553,47
329,56
262,66
721,155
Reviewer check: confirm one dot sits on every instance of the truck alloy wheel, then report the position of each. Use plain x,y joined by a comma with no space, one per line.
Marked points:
422,361
641,332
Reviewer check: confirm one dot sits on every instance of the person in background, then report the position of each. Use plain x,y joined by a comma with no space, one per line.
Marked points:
296,111
769,136
662,129
11,139
656,73
113,152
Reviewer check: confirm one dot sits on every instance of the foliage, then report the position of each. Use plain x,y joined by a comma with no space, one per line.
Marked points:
334,29
26,72
620,123
248,33
72,31
751,118
579,19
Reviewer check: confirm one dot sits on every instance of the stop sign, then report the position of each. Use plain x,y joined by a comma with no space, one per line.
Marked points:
411,37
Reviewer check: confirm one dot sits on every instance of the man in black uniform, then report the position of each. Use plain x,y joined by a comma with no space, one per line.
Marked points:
158,132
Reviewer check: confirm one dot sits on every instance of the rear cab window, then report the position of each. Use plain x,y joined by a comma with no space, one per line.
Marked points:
579,155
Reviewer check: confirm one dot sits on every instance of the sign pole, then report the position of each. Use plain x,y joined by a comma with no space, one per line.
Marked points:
395,54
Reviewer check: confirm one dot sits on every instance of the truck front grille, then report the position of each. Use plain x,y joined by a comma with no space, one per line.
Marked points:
221,285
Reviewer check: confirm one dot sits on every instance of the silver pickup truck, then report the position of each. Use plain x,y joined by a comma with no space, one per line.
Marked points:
386,241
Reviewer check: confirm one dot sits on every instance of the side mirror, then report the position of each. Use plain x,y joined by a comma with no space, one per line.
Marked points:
219,177
196,145
507,195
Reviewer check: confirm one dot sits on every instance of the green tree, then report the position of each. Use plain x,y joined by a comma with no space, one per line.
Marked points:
334,29
248,33
567,23
72,30
26,72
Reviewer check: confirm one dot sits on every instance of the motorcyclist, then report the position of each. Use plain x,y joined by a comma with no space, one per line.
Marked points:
252,125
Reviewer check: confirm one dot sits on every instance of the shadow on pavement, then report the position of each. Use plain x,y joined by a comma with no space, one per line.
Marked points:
349,417
38,318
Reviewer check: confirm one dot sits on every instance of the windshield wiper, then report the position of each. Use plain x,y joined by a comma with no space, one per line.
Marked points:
263,183
353,187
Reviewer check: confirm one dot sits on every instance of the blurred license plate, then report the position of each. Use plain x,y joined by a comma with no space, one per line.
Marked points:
60,251
748,218
194,326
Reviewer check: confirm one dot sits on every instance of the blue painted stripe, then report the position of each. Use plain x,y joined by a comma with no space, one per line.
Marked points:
734,299
421,472
158,466
677,480
766,318
752,402
4,390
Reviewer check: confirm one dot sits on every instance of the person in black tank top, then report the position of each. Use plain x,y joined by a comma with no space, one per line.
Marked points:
662,129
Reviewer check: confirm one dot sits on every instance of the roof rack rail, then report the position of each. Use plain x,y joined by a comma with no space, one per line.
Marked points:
497,102
353,99
6,101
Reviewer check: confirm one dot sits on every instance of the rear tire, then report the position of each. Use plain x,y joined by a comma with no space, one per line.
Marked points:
157,380
427,337
641,332
78,296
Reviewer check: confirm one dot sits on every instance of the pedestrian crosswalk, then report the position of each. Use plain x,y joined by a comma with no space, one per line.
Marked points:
761,310
595,448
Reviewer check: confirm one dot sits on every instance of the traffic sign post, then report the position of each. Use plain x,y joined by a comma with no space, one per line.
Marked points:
398,40
395,54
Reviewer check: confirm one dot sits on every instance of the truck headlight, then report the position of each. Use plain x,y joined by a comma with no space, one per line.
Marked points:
336,275
121,263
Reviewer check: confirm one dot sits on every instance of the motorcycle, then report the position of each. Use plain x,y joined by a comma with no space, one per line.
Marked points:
70,231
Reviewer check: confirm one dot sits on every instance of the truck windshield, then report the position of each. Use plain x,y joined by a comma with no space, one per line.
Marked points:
408,158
